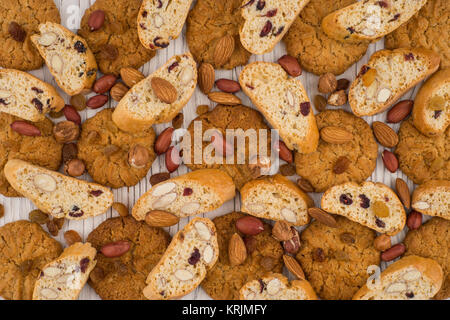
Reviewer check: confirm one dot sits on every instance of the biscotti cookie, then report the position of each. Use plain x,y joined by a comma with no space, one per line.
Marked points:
56,194
26,96
192,252
159,97
387,76
431,112
283,102
266,22
433,198
21,19
67,56
409,278
277,287
369,20
186,195
374,205
276,198
64,278
161,21
25,249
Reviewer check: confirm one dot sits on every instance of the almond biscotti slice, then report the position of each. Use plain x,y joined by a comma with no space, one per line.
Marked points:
431,112
64,278
433,198
374,205
142,106
284,103
193,251
275,286
276,198
410,278
161,21
387,76
67,56
266,22
56,194
196,192
369,20
26,96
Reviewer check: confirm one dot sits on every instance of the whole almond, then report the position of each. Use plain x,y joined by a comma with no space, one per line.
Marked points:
131,76
118,91
393,252
115,249
229,86
159,177
25,128
96,102
342,164
164,90
249,225
294,267
157,218
72,114
224,98
284,153
104,83
237,252
121,209
400,111
335,135
71,237
382,242
282,231
305,185
163,141
403,192
290,65
390,161
323,217
172,159
223,51
206,77
384,134
96,20
414,220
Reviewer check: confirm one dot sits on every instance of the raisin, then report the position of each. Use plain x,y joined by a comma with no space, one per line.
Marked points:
382,4
160,44
248,3
144,14
143,27
262,285
159,4
16,31
79,46
260,5
410,295
347,237
76,212
271,13
345,199
380,223
363,70
96,193
37,90
84,264
266,29
280,30
437,114
195,257
409,57
365,202
305,107
173,66
396,16
187,192
2,101
38,104
319,255
351,30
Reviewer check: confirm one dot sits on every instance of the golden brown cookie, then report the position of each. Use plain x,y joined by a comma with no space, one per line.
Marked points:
423,158
207,23
116,44
432,240
264,254
316,52
40,150
19,19
106,150
25,248
229,117
335,260
429,28
123,278
320,168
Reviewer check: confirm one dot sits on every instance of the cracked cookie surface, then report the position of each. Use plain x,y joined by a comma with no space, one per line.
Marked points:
422,158
16,146
316,52
28,14
335,260
25,248
123,278
223,281
362,152
104,149
119,31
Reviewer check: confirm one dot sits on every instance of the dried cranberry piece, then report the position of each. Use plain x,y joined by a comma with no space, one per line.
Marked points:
248,3
409,57
437,114
351,30
96,193
260,5
144,14
365,202
380,223
266,29
410,295
37,90
280,30
195,257
79,46
382,4
2,101
396,16
84,264
159,4
173,66
345,199
250,87
38,104
158,44
305,107
187,192
271,13
262,285
363,70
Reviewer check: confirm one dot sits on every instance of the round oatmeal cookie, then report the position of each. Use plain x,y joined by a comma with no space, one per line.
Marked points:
316,52
207,23
429,28
335,260
432,240
25,248
423,158
19,20
359,156
223,118
123,278
116,44
264,255
106,150
40,150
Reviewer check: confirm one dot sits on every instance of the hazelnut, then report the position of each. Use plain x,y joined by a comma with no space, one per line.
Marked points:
337,98
74,168
69,152
327,83
66,131
138,156
382,242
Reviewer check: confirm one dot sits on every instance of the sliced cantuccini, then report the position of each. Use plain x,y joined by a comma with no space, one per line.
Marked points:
433,198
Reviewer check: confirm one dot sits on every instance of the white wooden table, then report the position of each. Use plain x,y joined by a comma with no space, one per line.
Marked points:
71,13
